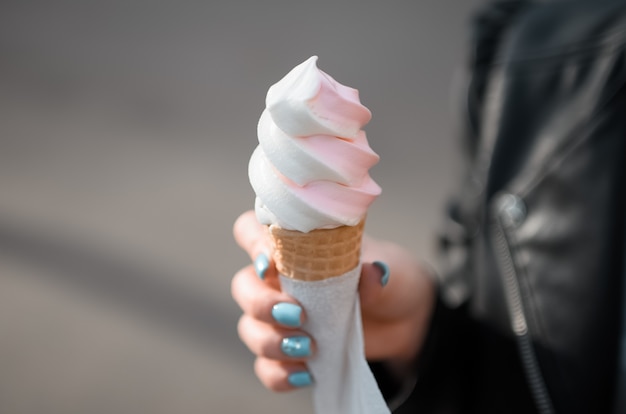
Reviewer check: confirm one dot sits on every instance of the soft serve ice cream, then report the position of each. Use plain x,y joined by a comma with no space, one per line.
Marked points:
310,170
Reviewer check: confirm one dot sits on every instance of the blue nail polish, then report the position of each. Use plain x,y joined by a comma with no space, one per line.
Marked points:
296,346
385,269
300,379
287,314
261,264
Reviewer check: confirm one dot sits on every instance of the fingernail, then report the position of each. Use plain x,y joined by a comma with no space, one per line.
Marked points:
385,269
261,264
287,314
296,346
300,379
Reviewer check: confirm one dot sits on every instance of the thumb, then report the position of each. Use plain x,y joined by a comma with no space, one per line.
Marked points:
374,277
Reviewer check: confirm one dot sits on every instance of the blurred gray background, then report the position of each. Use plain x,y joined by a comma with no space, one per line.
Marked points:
125,132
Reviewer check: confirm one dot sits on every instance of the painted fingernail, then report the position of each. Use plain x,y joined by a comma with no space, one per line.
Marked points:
261,264
296,346
385,269
287,314
300,379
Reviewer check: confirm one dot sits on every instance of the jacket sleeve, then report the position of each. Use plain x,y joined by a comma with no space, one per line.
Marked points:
436,384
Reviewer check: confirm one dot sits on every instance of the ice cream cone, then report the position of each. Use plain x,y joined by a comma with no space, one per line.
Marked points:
318,254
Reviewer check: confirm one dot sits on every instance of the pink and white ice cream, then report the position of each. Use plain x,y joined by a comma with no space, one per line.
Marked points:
311,168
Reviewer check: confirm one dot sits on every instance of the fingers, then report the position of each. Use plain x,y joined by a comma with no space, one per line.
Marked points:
251,235
273,342
264,301
269,327
282,376
270,323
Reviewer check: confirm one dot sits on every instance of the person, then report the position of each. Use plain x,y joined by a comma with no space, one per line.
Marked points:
526,313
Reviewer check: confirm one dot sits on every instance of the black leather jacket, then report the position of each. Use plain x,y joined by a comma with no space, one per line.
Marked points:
531,311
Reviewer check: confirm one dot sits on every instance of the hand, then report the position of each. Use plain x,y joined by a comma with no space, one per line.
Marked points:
395,316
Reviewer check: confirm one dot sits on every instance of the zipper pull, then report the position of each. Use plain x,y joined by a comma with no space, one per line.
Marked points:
512,210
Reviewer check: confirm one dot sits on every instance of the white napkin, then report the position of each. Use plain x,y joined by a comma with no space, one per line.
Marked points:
343,382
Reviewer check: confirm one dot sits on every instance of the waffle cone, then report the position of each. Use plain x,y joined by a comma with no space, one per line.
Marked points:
318,254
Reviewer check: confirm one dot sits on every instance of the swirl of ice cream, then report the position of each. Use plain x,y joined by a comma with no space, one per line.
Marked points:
310,170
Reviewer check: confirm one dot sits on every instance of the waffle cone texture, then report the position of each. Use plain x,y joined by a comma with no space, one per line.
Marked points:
318,254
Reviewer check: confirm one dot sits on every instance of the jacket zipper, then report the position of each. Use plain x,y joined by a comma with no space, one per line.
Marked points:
515,306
